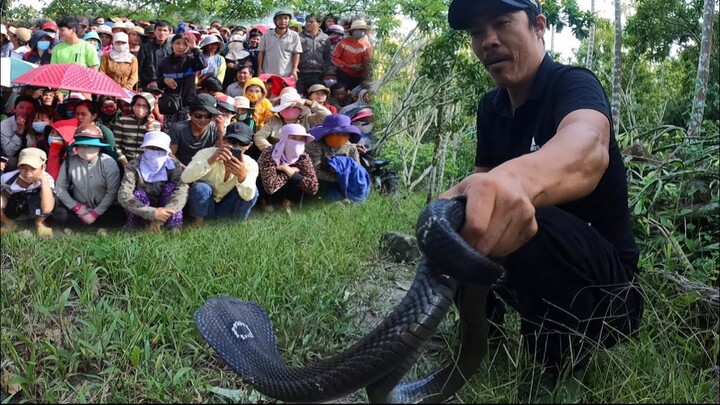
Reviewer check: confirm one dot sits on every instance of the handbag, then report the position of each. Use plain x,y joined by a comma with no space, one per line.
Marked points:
170,104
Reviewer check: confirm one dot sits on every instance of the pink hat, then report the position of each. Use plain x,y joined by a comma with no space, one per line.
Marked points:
362,113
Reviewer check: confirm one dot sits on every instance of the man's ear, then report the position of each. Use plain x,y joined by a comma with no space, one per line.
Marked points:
540,25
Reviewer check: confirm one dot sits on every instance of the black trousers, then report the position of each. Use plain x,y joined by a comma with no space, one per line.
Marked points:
571,290
114,217
306,80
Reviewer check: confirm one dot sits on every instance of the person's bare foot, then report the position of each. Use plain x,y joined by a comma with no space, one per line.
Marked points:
286,206
43,231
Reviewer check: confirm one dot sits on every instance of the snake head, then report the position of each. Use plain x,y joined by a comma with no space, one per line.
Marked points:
438,237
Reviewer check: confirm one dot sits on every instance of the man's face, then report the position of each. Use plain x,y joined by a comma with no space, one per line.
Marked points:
24,109
312,25
282,21
161,34
83,30
100,21
30,174
506,45
134,38
64,33
201,118
243,75
339,94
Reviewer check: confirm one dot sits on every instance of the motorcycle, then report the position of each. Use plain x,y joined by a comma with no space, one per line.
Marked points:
383,178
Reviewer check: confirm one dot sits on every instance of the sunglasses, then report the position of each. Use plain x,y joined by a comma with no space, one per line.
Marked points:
202,116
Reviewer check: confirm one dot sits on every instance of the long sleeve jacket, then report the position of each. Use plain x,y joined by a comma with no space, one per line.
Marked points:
149,57
133,180
93,184
273,179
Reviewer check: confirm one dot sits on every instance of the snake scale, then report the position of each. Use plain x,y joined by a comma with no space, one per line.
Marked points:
242,333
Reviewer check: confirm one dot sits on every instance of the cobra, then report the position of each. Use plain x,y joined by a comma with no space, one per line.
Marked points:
450,271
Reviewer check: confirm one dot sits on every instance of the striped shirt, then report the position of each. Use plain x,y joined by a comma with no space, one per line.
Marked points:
129,136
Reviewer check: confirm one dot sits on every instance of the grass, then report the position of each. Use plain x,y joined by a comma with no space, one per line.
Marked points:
89,319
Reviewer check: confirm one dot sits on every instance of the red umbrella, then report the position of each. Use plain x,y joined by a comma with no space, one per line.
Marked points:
73,77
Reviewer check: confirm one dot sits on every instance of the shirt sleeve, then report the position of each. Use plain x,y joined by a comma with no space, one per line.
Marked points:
63,185
91,57
298,45
482,152
180,195
198,166
579,89
127,199
247,189
112,174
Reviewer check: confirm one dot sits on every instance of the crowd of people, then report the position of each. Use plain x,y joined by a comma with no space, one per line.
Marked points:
218,121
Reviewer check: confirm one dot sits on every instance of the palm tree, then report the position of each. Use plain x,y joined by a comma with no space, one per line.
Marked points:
617,68
591,38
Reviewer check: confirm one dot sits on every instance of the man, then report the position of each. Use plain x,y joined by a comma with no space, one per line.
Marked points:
224,179
27,193
279,51
6,46
549,193
315,58
20,41
153,52
72,49
201,131
14,131
84,25
353,54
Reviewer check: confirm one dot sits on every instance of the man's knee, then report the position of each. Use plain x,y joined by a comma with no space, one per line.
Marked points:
200,191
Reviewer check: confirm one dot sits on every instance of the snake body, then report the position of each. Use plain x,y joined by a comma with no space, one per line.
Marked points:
242,333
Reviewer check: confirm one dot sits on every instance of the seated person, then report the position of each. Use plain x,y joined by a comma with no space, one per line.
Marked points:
286,170
223,178
319,94
334,138
201,131
54,143
27,193
87,184
245,112
152,192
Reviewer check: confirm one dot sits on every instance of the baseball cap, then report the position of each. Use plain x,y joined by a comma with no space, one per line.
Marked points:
239,131
32,157
226,102
204,102
461,12
50,25
83,21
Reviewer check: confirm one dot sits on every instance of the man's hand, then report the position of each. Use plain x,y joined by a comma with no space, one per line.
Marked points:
79,210
500,216
288,170
294,74
220,123
171,83
237,168
21,121
190,40
89,217
162,214
221,155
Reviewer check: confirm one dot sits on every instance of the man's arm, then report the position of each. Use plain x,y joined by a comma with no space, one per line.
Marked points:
260,59
501,202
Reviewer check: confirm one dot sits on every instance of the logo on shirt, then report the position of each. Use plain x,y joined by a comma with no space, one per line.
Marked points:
533,145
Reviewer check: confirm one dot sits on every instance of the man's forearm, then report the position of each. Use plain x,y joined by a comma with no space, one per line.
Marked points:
566,168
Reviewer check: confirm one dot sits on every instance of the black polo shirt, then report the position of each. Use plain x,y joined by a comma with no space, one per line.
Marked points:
558,90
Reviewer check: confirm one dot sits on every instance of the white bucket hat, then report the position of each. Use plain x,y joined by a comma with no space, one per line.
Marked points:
243,102
120,37
209,39
287,100
156,138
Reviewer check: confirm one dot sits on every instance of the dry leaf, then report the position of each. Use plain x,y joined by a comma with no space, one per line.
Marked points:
11,389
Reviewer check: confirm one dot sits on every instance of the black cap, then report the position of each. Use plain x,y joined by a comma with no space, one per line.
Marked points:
204,102
239,131
83,21
462,12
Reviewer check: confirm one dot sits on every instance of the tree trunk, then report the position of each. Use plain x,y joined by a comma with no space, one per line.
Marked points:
433,183
703,71
591,39
552,39
617,68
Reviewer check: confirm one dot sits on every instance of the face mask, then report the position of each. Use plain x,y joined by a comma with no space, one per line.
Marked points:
88,153
235,46
357,34
291,113
52,139
140,112
242,37
293,149
39,126
43,45
336,140
122,48
329,82
365,127
109,110
241,117
253,97
335,38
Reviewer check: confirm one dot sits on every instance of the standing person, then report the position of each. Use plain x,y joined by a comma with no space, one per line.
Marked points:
353,55
27,193
151,191
223,178
130,129
106,35
153,52
119,64
135,39
279,51
87,184
210,47
6,46
72,49
549,192
178,72
286,170
253,48
40,48
327,22
315,57
236,59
